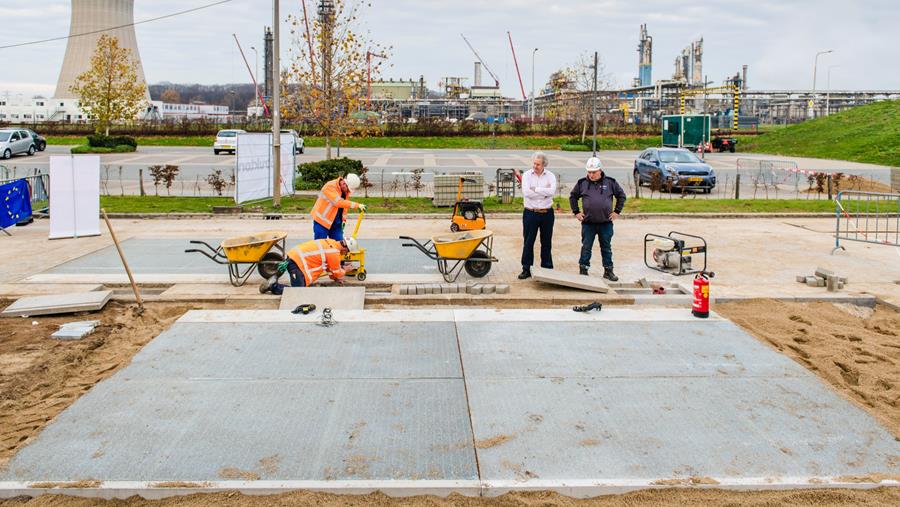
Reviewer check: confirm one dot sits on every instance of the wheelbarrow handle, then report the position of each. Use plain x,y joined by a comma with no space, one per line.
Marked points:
214,257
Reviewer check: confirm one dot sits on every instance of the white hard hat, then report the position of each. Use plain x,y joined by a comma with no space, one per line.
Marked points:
352,181
593,165
352,244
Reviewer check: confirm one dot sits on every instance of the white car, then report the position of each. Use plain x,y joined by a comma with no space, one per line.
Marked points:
298,141
226,140
15,141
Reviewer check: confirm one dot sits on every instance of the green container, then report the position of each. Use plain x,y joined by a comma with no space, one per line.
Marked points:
685,130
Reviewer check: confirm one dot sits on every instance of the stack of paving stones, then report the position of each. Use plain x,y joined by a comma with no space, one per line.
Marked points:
453,288
824,278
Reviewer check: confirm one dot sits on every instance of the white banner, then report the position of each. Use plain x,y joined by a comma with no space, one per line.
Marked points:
253,167
74,196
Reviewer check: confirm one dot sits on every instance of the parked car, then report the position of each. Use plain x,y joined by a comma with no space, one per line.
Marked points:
15,141
298,141
226,140
675,167
39,141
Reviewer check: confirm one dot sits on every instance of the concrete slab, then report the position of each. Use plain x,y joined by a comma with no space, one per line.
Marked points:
149,256
17,290
346,298
573,280
75,330
58,303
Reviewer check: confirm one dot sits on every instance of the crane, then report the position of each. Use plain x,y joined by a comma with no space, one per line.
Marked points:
516,61
483,64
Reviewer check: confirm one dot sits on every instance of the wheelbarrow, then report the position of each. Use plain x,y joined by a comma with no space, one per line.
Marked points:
263,251
459,250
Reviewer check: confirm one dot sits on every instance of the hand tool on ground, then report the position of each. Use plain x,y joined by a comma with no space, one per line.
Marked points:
467,215
675,254
305,309
588,307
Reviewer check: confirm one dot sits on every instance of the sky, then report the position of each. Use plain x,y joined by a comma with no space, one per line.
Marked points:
778,39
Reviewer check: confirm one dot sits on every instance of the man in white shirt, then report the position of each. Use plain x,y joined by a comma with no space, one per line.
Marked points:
538,187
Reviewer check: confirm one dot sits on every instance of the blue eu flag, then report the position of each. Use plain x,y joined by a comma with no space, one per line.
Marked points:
15,203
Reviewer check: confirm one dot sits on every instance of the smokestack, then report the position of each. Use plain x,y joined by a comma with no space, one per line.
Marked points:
94,18
744,78
477,73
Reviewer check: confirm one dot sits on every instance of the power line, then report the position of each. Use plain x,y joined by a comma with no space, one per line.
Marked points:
72,36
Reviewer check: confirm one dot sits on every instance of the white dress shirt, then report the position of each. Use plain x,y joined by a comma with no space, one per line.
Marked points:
538,190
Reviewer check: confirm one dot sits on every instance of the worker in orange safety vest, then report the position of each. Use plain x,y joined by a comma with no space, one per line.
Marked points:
329,212
308,261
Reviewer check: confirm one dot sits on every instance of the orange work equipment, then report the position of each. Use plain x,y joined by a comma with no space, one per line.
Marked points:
330,199
316,257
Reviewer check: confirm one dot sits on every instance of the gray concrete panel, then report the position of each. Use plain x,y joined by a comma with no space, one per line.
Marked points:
360,350
677,427
58,303
166,256
616,349
165,430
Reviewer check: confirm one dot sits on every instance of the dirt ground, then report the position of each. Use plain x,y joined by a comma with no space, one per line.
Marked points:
40,377
856,350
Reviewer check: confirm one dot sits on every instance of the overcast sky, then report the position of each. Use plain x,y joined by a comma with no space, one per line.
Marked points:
778,39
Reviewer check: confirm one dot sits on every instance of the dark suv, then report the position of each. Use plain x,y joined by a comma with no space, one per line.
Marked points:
675,168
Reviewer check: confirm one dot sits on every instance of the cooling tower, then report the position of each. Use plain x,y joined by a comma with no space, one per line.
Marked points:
93,16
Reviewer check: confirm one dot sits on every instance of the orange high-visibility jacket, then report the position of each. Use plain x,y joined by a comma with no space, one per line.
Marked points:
315,257
330,199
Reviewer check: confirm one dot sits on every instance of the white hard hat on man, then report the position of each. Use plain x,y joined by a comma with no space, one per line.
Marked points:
593,165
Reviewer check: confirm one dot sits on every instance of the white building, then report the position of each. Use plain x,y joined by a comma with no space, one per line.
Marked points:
17,108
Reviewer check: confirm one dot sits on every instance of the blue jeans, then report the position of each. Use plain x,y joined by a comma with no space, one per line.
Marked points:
337,228
297,279
604,232
532,224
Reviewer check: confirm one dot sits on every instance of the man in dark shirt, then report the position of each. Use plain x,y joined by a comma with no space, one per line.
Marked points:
596,193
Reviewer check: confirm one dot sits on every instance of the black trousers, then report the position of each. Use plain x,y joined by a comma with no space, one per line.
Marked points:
534,223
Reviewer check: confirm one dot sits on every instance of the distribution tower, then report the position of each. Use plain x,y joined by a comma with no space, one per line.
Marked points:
90,20
645,65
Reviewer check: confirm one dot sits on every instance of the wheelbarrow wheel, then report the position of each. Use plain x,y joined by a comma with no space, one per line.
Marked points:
268,265
478,268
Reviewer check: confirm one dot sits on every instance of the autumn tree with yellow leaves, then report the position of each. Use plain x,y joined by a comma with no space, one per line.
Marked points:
110,91
326,83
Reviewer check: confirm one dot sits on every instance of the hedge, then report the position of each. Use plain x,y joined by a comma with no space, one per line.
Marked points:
318,173
103,141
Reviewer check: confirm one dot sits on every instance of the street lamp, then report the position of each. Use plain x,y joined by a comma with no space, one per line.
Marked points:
815,71
828,94
532,84
256,77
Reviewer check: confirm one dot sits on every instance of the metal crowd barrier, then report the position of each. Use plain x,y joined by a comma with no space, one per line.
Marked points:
868,217
40,188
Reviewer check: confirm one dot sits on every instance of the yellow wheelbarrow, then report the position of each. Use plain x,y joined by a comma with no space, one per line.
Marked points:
263,251
454,251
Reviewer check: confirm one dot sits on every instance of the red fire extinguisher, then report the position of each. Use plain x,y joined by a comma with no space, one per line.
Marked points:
701,294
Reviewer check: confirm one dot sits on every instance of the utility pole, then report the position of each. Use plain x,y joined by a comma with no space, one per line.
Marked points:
815,70
276,106
326,17
531,109
594,105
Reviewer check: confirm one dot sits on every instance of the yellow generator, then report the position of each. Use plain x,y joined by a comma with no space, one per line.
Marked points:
467,215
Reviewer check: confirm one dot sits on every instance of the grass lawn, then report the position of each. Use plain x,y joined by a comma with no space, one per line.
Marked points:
302,204
469,143
868,133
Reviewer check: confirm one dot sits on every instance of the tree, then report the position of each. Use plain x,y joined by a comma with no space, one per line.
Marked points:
572,89
110,90
170,96
326,83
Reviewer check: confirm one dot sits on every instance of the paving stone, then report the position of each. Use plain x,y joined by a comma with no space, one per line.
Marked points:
502,288
344,298
801,278
420,290
475,290
59,303
831,283
488,288
404,290
75,330
574,280
824,273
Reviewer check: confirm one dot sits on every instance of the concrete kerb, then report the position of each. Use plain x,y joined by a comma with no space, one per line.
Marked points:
405,488
431,216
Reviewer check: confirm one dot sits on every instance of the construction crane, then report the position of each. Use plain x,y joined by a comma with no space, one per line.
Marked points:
483,64
516,61
733,90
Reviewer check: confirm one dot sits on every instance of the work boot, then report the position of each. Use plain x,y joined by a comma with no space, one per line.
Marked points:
609,275
583,270
526,273
267,284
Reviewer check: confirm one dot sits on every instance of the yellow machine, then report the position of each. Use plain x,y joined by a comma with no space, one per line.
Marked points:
467,215
356,258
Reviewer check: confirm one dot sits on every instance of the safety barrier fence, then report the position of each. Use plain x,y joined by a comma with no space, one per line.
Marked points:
39,185
868,217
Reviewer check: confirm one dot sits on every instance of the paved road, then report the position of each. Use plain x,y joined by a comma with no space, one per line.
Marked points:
196,163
